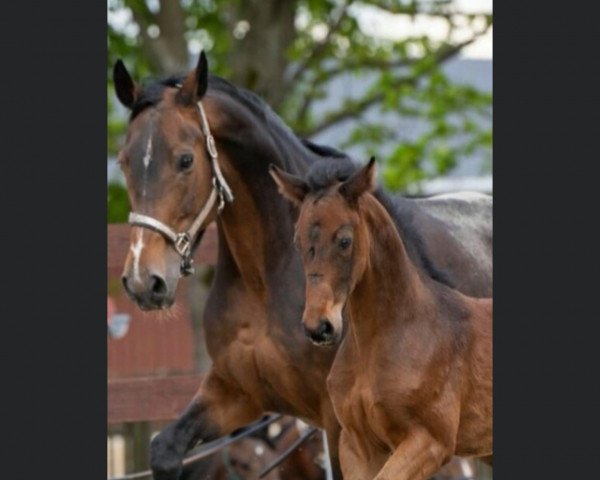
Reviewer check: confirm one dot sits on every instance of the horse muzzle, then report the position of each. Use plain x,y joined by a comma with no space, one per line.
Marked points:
150,291
324,334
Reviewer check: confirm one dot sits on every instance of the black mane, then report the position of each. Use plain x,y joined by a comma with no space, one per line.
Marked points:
151,94
323,150
292,150
323,174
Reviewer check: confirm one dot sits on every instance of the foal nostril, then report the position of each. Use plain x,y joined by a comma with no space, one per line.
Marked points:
325,329
159,287
324,334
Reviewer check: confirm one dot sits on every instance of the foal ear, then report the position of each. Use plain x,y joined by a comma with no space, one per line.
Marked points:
290,186
365,180
195,85
125,87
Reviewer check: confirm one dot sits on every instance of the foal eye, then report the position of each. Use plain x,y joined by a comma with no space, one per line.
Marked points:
345,243
185,161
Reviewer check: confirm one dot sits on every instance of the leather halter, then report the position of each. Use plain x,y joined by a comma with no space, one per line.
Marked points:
183,241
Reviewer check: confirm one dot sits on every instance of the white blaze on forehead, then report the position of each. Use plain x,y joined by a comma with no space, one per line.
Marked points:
136,250
148,154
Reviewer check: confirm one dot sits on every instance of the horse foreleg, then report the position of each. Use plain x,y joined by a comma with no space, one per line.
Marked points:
417,458
218,408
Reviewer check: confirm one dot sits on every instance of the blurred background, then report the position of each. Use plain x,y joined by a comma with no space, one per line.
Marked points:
407,81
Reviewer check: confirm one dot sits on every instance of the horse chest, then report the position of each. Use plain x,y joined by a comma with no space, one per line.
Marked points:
359,410
242,338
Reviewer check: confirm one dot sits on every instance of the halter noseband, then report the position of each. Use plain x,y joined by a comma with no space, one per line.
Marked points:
183,241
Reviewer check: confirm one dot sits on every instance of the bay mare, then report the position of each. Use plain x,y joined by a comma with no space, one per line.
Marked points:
411,383
262,362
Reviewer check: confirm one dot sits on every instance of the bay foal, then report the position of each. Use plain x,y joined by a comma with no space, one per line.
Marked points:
411,383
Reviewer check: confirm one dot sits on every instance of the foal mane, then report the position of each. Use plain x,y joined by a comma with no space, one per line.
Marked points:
324,174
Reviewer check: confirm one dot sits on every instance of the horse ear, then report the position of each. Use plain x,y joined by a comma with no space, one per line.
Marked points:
290,186
195,85
125,87
365,180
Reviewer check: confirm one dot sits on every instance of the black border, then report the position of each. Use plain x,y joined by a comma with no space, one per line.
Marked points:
53,232
545,369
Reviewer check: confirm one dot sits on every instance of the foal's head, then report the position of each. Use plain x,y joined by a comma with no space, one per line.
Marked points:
168,175
333,241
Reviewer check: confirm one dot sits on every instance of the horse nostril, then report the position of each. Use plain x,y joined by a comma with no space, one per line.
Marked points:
159,286
325,328
126,285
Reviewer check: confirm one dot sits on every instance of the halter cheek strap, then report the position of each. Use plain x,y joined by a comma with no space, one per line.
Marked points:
183,241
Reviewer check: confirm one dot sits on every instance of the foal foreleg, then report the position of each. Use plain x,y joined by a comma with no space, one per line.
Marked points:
417,458
217,409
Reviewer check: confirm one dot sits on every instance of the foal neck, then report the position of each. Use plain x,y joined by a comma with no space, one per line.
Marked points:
391,290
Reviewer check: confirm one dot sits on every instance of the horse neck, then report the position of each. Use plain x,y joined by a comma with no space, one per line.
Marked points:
391,291
256,229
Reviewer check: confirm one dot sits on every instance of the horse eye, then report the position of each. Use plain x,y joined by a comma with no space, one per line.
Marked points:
186,161
345,243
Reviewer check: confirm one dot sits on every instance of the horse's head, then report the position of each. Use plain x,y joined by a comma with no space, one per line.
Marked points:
333,241
169,170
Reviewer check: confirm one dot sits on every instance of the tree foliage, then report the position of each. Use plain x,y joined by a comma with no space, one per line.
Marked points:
292,53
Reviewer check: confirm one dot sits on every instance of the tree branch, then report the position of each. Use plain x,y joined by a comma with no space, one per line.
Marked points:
413,8
326,76
320,47
353,109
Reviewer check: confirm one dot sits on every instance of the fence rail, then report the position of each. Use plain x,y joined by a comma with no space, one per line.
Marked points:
150,399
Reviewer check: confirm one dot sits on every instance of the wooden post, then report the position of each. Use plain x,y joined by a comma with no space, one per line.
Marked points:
141,445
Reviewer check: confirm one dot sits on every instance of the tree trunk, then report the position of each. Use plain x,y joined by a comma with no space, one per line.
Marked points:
168,52
259,59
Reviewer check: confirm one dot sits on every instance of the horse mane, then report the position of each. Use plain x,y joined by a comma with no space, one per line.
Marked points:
323,150
286,140
151,93
324,174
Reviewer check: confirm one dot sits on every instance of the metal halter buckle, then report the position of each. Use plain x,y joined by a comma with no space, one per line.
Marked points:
183,244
